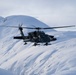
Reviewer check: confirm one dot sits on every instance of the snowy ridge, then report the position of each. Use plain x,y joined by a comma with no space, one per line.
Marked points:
56,59
1,19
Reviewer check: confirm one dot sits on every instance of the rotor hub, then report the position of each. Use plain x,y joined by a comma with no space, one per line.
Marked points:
20,28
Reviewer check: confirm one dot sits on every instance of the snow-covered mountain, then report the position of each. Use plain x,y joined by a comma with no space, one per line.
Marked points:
25,20
56,59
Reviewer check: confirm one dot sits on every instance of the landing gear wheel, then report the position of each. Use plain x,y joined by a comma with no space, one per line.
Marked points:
46,44
35,44
25,43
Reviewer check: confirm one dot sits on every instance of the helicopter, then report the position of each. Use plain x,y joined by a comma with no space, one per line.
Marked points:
37,36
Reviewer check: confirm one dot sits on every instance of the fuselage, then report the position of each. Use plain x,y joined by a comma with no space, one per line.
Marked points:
40,37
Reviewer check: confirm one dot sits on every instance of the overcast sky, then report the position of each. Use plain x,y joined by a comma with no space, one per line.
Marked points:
51,12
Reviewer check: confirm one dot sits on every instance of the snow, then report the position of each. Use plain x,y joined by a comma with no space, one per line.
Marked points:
4,72
56,59
1,20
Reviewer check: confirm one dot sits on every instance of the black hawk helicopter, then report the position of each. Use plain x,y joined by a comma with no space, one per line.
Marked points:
36,36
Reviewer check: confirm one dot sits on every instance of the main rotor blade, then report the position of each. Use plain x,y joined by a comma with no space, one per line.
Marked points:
22,27
38,28
18,27
10,26
59,27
